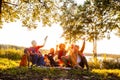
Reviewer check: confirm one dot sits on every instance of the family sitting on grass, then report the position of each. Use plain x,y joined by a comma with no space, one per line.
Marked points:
75,58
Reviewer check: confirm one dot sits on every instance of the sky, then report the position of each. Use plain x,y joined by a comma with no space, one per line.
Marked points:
79,1
14,34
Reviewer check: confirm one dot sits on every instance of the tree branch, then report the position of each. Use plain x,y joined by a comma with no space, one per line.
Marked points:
10,3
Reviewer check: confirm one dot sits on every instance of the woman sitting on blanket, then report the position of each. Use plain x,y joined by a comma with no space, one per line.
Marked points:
61,52
76,57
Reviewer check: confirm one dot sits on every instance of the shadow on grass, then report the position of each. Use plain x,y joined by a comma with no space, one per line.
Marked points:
54,74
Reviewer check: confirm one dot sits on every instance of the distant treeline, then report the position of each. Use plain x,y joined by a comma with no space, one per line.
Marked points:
14,47
112,55
5,46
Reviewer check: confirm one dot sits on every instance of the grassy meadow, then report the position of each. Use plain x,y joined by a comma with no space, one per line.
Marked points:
10,70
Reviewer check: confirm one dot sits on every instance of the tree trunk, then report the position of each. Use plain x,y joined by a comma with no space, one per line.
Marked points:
70,37
95,48
0,6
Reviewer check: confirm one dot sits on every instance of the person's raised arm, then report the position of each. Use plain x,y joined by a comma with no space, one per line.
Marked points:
83,46
43,42
56,51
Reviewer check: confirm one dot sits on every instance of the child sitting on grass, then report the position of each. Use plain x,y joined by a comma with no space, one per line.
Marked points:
25,58
51,56
47,61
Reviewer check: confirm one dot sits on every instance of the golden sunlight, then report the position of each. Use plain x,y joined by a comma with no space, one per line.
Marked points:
15,34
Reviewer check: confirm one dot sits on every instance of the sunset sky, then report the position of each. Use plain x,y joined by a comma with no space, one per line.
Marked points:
15,34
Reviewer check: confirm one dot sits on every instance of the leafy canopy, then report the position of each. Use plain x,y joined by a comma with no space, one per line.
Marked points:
29,12
94,18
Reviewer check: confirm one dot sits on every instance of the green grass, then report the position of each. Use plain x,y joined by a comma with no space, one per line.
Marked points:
107,72
9,70
24,73
11,53
7,63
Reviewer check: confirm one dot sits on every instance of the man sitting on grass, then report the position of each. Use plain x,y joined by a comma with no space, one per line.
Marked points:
37,58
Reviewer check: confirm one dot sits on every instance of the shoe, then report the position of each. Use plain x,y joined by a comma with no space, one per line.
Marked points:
38,66
29,67
78,67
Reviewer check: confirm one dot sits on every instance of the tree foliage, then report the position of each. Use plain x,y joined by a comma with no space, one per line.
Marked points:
95,19
35,11
29,12
8,12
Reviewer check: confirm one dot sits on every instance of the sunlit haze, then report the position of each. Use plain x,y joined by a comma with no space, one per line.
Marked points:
15,34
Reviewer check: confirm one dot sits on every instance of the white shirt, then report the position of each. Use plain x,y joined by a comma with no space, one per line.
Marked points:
78,59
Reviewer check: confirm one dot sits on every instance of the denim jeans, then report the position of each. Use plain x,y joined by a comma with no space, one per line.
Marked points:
34,59
40,61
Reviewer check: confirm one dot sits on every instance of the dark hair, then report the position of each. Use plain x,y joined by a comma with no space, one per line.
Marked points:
60,45
25,50
77,46
46,55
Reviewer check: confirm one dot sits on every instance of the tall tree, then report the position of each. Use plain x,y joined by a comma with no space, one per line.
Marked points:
94,19
0,6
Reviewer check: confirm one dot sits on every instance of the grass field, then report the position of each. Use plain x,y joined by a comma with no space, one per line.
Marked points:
10,70
7,63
